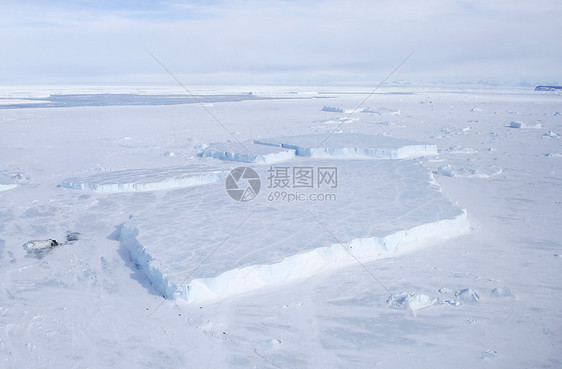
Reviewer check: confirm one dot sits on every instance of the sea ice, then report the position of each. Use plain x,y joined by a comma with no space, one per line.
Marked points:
391,207
133,180
352,146
247,152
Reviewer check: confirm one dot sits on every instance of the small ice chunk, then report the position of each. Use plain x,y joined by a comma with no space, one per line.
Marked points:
467,295
39,248
489,354
333,109
452,302
267,344
518,124
503,292
411,301
551,134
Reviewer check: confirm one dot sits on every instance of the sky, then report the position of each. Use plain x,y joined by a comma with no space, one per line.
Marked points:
280,41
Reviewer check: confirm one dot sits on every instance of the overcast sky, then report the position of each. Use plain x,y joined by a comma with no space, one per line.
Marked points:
250,41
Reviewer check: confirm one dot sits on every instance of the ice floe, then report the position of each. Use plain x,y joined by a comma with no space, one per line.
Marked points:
395,205
147,179
351,145
248,152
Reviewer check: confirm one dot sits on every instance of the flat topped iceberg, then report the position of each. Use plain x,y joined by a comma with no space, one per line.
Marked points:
352,145
248,152
374,208
133,180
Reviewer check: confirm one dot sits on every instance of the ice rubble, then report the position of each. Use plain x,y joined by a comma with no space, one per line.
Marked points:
400,209
411,301
449,170
134,180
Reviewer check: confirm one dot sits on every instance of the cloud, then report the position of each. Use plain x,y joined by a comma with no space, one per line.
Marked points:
105,41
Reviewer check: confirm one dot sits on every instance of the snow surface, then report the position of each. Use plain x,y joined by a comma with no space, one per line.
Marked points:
86,304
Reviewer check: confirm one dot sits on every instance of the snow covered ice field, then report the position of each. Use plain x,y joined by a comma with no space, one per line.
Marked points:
461,235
